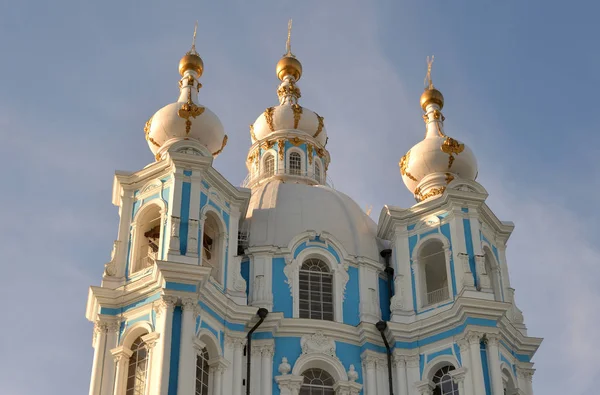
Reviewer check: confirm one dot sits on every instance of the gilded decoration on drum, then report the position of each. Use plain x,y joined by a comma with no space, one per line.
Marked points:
252,133
297,109
281,148
269,117
296,141
309,151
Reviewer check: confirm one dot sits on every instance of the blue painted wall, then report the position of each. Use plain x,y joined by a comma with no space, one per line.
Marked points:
486,370
175,343
282,299
384,299
186,189
352,300
245,272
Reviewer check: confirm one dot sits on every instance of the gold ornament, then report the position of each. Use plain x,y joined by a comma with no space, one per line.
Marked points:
268,144
321,124
281,148
450,147
225,138
297,109
449,178
147,126
252,133
189,109
296,141
269,117
309,151
432,192
404,165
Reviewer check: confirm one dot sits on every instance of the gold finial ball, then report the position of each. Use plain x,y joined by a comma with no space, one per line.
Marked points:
289,65
191,61
431,95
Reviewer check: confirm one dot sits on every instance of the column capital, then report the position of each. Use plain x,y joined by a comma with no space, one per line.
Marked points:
473,337
424,387
267,350
189,304
492,339
234,342
290,383
219,364
369,361
347,388
412,361
399,360
463,344
150,339
121,353
458,375
165,302
525,373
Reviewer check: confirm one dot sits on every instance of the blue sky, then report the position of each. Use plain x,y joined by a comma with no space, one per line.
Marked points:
79,79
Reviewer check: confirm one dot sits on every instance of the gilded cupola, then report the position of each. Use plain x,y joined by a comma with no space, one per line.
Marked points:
288,140
289,114
186,119
428,167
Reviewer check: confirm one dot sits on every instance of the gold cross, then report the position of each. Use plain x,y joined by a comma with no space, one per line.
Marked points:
428,81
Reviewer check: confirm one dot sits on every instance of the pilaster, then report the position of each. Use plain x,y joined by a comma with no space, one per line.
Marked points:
187,360
402,306
163,308
261,280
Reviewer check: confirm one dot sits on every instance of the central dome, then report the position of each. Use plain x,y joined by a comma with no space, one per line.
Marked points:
278,212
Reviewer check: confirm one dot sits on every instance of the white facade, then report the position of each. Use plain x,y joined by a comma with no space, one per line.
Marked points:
196,257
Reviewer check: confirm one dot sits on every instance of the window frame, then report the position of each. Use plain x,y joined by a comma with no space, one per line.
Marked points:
420,276
263,168
313,279
293,152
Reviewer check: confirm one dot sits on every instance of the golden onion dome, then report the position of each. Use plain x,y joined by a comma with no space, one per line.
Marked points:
289,65
191,61
432,95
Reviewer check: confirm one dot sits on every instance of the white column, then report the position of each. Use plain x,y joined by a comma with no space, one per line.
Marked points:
149,340
412,372
465,357
369,363
217,382
382,383
525,379
403,287
494,364
237,344
121,356
267,370
125,211
162,355
401,381
476,367
108,372
187,364
99,343
256,374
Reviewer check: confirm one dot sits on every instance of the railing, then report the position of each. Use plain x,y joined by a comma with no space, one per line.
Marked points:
437,296
252,179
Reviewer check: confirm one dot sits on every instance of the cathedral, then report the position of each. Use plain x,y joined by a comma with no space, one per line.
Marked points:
284,285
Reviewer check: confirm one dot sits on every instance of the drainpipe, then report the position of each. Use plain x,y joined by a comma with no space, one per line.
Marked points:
262,314
386,254
381,327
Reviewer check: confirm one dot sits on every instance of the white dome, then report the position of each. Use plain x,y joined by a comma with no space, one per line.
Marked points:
439,154
167,126
278,212
283,118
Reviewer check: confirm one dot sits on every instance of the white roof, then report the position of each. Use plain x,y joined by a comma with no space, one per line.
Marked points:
278,212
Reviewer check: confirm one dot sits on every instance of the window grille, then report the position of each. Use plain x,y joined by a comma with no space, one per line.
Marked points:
315,291
295,164
269,169
444,385
317,382
138,366
202,371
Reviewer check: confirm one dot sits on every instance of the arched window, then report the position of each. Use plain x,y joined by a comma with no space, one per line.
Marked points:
202,372
444,385
317,382
147,239
316,290
317,171
269,165
432,259
295,164
211,246
138,368
493,274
